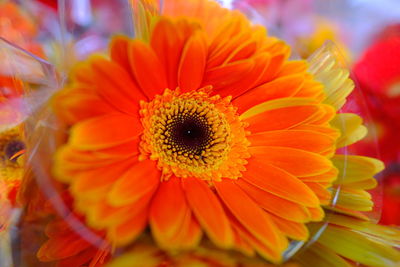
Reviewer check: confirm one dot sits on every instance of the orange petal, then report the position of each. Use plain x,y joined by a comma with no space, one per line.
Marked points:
69,162
241,244
333,133
275,66
322,193
279,88
80,259
209,212
222,77
128,149
143,177
293,66
281,118
317,214
101,214
119,51
327,177
273,254
188,236
147,68
326,115
167,42
294,230
312,89
62,246
297,162
116,86
168,211
250,80
124,233
278,182
192,63
274,204
105,131
249,214
79,104
304,140
223,52
87,182
243,51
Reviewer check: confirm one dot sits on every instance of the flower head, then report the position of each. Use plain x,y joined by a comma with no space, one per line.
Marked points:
204,127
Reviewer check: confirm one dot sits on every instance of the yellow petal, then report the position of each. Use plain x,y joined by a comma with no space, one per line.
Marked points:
356,168
327,67
358,247
350,127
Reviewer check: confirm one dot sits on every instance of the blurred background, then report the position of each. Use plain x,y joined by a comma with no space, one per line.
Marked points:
366,34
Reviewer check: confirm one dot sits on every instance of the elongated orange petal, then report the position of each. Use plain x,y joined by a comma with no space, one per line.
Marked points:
295,161
241,244
275,66
142,178
249,214
69,162
128,149
282,87
188,236
116,86
85,182
208,211
80,259
167,42
224,76
274,204
62,246
293,66
304,140
168,211
327,177
281,118
192,63
250,80
312,89
317,214
122,234
79,104
224,52
119,51
332,132
278,182
105,131
147,68
294,230
326,114
101,214
273,254
322,193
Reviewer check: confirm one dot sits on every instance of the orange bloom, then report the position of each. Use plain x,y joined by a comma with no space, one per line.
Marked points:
11,146
18,28
205,128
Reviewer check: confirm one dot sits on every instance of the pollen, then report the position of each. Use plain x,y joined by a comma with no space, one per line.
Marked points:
193,135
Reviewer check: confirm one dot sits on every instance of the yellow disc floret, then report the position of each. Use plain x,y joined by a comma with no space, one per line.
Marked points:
193,135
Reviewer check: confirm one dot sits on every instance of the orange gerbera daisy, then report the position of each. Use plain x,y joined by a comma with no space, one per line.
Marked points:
205,127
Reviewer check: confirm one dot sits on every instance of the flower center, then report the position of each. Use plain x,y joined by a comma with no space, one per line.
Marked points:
189,134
